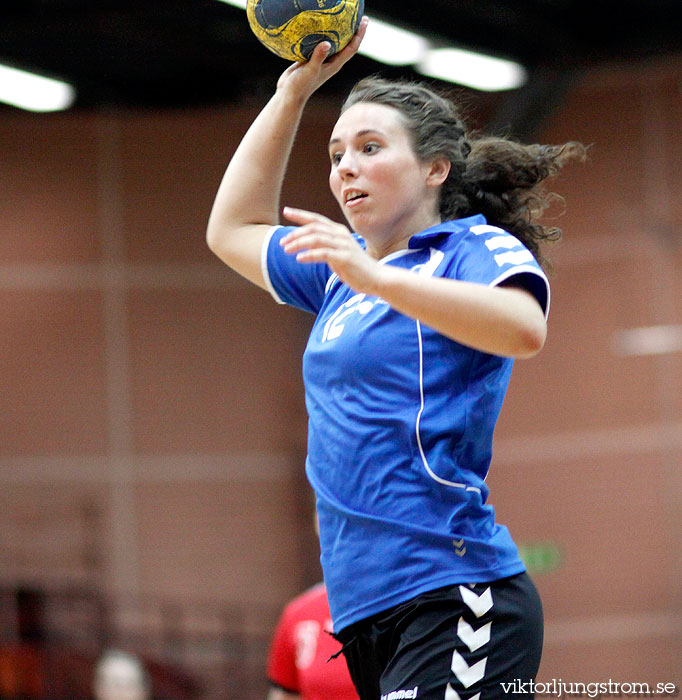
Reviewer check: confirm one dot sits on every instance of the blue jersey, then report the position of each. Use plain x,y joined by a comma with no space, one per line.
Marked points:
401,422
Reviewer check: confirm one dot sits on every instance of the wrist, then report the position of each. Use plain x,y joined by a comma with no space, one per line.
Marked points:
290,98
382,280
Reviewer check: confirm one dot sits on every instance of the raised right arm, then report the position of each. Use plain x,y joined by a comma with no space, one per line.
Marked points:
247,202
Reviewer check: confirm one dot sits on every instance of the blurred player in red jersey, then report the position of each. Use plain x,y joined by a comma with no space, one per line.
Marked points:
300,664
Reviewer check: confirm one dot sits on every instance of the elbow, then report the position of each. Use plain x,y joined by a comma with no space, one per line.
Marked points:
212,242
213,237
218,239
531,340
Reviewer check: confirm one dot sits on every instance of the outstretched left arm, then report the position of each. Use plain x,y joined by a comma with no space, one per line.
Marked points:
502,320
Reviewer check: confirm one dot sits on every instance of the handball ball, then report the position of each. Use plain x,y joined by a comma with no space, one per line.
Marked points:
293,28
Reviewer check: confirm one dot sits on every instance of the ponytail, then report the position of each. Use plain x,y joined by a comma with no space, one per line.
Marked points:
504,180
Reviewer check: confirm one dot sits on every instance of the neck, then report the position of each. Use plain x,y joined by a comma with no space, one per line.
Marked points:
379,247
378,252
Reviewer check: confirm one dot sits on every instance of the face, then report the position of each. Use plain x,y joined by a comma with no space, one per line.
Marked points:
385,193
119,679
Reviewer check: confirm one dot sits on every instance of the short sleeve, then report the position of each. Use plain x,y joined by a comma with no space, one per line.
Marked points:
281,668
492,256
290,282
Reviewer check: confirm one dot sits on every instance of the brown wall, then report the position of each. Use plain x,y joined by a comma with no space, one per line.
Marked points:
152,427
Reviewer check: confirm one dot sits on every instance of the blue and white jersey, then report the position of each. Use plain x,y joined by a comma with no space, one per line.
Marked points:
401,423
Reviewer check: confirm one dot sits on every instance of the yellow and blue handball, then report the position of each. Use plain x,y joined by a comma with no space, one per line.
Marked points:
292,28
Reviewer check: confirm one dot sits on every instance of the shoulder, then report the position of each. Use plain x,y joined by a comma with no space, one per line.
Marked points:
473,250
475,238
460,234
476,233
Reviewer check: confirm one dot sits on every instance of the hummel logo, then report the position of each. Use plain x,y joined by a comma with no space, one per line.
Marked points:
401,694
460,548
467,675
478,604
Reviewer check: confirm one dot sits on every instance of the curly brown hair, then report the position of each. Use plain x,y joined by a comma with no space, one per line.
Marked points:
494,176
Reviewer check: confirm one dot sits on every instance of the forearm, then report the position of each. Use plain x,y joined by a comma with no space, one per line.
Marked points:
499,320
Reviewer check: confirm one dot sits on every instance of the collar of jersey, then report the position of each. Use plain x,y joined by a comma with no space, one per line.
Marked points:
427,236
446,228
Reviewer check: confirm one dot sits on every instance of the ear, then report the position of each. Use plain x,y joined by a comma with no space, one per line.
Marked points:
438,171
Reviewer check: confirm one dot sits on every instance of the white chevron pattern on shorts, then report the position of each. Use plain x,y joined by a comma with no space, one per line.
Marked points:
467,675
474,639
479,604
452,694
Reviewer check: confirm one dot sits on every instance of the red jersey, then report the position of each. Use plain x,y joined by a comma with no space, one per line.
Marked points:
301,647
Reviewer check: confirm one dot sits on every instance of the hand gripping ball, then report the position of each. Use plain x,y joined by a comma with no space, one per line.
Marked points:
292,28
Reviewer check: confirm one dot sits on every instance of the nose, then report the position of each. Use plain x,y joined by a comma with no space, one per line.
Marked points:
347,166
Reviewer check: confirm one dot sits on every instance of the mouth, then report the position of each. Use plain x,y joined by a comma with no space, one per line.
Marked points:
352,198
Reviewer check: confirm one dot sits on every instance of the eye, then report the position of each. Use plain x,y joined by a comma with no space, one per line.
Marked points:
335,158
371,147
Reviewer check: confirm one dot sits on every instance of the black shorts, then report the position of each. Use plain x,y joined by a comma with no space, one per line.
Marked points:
454,643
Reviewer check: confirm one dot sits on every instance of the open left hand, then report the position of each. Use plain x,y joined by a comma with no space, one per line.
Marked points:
319,239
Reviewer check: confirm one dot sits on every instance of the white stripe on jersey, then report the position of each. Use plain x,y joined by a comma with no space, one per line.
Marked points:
514,257
502,242
428,268
425,461
486,228
331,281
